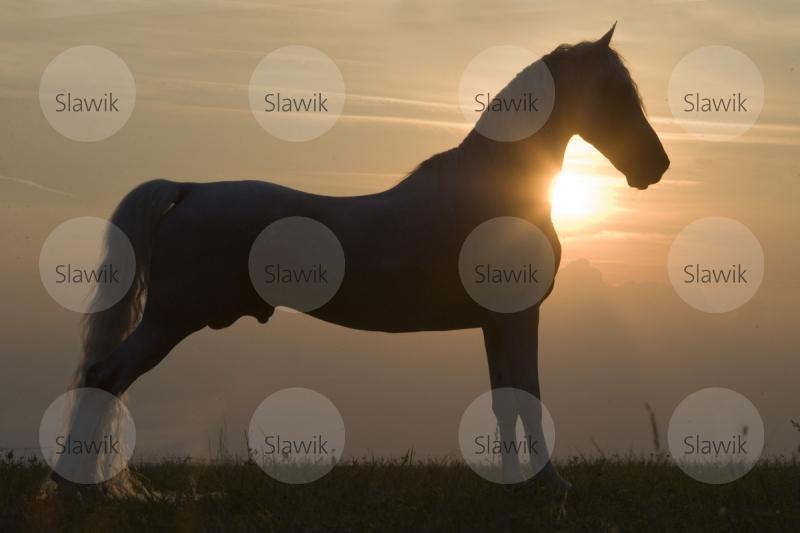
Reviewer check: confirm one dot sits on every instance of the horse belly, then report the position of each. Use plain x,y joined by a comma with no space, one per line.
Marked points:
401,302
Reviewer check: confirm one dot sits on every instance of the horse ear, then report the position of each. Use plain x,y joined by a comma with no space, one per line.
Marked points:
605,40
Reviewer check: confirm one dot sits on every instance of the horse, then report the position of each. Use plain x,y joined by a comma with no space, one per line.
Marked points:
401,245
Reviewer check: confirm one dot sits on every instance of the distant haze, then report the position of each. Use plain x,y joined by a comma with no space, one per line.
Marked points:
614,334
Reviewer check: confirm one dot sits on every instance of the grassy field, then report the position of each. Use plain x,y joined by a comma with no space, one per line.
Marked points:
608,495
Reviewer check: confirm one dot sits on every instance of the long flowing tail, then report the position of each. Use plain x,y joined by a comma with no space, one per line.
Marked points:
137,216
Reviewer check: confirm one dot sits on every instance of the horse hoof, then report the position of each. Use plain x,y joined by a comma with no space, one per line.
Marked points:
552,478
512,476
55,486
124,485
560,484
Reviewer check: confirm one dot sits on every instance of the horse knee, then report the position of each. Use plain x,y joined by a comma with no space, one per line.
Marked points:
104,375
504,408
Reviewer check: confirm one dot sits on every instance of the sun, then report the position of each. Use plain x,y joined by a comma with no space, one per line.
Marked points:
574,196
580,195
578,200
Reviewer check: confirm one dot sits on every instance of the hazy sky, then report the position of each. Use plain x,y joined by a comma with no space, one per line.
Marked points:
401,62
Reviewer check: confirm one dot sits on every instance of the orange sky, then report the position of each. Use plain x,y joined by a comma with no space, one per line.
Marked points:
401,62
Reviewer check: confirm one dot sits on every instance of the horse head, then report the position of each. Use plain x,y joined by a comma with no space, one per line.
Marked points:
606,109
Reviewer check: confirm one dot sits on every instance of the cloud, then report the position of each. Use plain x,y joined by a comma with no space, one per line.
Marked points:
87,8
409,121
759,133
39,186
423,105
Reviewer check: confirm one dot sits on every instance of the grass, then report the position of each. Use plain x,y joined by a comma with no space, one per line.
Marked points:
609,494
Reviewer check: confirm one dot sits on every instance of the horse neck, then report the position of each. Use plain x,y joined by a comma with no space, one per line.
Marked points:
511,178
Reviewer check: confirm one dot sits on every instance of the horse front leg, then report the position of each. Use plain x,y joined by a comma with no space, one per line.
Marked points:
517,336
503,404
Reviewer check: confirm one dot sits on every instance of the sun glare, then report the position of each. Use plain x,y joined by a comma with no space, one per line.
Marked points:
575,196
578,198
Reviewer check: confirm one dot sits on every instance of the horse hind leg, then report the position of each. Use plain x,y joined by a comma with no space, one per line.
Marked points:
142,350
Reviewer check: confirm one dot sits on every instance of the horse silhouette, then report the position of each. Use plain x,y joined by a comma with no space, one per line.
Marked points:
192,240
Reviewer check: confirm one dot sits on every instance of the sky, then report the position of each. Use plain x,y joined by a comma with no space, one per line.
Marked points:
401,60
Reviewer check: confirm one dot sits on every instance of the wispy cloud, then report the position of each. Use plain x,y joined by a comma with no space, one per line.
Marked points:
410,121
34,185
406,102
759,133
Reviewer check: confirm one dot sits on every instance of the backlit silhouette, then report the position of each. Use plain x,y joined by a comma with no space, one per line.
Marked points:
401,246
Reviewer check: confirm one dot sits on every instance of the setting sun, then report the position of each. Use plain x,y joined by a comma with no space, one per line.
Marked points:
575,196
580,197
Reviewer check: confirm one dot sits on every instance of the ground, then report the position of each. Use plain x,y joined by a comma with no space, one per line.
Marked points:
609,494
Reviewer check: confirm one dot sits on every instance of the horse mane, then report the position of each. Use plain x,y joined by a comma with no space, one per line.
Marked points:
616,69
428,164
